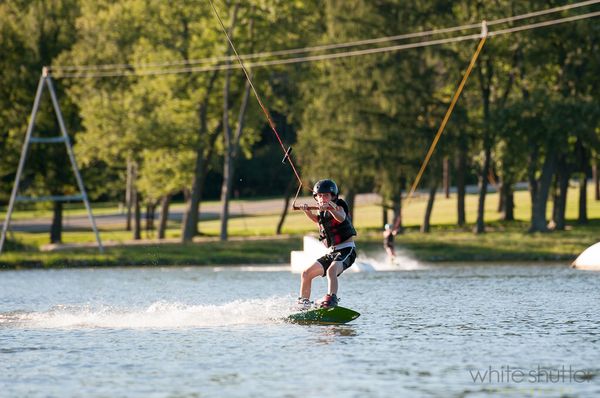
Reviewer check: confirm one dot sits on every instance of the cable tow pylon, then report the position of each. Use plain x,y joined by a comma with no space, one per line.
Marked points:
46,82
286,158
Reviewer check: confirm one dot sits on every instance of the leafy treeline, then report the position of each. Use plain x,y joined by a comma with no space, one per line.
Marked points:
149,122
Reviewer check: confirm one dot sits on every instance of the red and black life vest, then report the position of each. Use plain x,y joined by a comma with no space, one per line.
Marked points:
331,230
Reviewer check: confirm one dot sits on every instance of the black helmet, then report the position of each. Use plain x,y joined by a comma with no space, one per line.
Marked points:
325,186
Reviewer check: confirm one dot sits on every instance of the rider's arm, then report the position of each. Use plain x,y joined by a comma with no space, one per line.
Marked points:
312,216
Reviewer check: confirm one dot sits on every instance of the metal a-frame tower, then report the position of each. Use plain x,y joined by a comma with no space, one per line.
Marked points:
46,81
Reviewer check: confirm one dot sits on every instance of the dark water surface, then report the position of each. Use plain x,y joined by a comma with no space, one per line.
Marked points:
462,331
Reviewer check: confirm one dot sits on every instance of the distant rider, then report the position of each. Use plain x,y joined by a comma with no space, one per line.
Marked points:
388,242
336,232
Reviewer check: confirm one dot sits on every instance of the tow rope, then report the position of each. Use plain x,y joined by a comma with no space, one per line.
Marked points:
286,152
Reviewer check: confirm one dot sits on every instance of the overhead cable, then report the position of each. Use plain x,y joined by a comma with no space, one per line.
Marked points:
329,56
59,68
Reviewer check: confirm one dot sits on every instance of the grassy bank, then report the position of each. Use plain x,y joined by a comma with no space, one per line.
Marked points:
271,251
253,239
500,243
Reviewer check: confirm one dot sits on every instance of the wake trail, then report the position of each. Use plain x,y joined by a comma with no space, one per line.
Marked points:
158,315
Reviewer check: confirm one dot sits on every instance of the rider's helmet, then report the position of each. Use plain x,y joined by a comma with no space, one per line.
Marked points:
325,186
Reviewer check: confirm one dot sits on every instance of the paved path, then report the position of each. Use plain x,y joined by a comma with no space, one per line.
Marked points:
210,211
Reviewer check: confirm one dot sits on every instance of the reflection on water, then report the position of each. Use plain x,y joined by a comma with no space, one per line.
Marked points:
330,334
423,331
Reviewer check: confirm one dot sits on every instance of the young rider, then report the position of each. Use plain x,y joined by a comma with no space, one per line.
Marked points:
336,232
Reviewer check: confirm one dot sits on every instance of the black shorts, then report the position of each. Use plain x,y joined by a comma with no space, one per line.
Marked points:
347,255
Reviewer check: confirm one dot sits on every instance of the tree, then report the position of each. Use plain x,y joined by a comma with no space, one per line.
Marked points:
565,86
17,88
146,113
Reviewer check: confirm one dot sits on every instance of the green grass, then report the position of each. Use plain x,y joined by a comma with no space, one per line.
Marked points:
503,241
208,253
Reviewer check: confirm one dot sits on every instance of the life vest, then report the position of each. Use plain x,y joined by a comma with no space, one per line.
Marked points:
388,241
331,230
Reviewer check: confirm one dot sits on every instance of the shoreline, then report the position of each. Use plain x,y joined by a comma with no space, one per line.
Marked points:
276,251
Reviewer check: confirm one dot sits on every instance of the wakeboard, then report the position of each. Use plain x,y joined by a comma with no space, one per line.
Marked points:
324,316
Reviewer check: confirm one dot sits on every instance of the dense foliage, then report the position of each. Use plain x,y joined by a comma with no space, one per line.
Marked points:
530,111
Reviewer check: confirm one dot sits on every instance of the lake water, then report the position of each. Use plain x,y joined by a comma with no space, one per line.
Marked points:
462,331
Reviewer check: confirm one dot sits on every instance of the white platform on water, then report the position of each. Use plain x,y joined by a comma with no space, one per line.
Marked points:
313,249
589,259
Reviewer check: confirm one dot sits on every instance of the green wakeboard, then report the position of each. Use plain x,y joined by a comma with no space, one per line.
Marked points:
324,316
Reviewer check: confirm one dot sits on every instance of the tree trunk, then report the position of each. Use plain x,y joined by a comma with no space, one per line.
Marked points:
56,227
289,191
193,224
129,194
509,203
226,186
562,178
190,216
150,210
582,218
229,141
486,73
426,227
135,202
229,163
483,182
137,219
531,168
596,179
554,198
501,196
164,216
461,165
542,189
